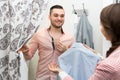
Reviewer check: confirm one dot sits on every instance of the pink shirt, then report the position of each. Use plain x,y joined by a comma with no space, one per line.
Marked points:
43,42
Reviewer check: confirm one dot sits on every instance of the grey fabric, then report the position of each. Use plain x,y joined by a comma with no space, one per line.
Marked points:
84,32
19,19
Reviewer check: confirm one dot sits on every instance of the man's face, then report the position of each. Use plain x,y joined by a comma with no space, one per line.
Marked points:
57,18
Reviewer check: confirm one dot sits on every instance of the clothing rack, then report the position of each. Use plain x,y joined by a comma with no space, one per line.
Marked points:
78,12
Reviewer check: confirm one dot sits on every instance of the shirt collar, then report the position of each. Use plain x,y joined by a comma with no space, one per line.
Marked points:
61,30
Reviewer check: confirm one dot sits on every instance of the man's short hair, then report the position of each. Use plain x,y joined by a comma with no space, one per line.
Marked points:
55,7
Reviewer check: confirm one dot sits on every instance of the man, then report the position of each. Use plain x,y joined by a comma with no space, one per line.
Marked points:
50,43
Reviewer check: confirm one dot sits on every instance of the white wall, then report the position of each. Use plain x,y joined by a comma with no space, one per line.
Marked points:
93,6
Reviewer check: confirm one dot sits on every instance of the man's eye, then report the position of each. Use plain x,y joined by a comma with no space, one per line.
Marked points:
62,16
55,15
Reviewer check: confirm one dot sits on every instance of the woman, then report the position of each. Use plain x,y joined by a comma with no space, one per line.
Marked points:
109,68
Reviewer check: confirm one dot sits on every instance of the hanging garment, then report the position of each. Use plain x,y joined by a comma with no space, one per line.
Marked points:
23,68
19,19
78,61
84,33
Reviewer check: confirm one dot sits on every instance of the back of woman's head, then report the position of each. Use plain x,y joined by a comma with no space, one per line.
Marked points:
110,19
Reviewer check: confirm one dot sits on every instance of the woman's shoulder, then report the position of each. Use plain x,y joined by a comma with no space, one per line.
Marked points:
113,61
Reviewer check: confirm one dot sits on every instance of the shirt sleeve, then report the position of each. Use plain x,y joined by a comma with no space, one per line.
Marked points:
64,76
33,45
103,72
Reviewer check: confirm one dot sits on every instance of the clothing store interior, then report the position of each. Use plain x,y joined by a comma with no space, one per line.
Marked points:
81,20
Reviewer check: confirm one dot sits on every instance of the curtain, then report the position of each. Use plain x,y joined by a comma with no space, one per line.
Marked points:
19,19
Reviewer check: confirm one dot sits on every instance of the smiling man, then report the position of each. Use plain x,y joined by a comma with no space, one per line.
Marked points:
50,43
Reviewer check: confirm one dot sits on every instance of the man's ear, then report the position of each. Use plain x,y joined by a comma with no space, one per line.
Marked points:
48,16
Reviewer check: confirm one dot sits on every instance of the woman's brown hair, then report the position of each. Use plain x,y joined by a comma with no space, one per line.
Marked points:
110,19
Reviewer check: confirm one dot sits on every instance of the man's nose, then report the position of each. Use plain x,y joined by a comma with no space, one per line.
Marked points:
59,18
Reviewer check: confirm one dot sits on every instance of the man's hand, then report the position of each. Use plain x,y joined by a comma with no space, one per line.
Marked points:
61,47
24,49
54,67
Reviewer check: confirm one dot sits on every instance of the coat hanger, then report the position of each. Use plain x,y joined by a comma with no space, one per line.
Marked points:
84,9
74,10
79,12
